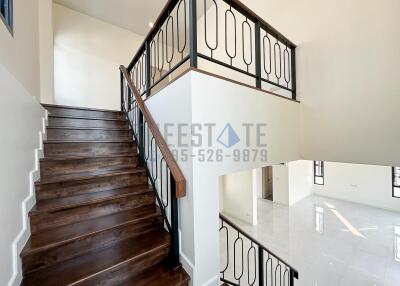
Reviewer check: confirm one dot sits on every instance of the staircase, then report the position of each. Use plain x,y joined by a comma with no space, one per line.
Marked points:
96,221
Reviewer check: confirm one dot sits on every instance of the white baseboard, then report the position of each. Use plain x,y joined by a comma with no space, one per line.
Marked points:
189,267
212,282
26,206
187,264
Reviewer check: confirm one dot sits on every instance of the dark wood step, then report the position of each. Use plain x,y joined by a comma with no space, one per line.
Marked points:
88,175
73,134
54,246
59,166
85,199
111,266
60,121
88,149
160,274
65,186
82,112
96,221
58,212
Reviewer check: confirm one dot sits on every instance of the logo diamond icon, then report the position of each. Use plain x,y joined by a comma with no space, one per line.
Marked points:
228,136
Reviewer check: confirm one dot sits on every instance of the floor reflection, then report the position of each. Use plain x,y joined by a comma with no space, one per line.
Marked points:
397,243
319,219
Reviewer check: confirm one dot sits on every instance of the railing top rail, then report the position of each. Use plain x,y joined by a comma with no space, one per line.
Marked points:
236,4
162,145
232,224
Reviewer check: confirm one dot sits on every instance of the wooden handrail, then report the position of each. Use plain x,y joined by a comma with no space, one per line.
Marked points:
176,172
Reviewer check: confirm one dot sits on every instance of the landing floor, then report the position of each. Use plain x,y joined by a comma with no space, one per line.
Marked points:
332,242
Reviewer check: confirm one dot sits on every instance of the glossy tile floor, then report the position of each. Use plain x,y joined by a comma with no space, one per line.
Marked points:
332,242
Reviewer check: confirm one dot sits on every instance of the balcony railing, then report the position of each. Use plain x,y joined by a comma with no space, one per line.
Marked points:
218,36
245,261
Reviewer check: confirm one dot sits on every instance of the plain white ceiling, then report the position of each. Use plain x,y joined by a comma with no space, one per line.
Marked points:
133,15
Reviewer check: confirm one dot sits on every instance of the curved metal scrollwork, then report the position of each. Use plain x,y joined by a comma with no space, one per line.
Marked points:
252,250
182,48
247,61
160,66
238,240
286,65
211,47
170,45
223,227
277,48
247,266
229,54
267,57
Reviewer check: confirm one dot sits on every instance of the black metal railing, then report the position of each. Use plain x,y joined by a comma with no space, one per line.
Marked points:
216,36
163,172
245,261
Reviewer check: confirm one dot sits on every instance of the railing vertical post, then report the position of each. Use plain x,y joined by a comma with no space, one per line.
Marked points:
258,53
193,33
148,69
174,225
128,107
141,135
122,91
260,266
291,277
293,63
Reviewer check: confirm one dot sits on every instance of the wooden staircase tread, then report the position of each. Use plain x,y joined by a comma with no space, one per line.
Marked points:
87,266
160,274
90,175
71,157
88,141
86,199
80,108
96,220
86,117
89,128
63,234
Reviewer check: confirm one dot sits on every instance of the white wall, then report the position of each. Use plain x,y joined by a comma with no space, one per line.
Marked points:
21,124
365,184
240,195
19,53
87,56
280,181
46,49
21,121
162,107
300,180
221,102
202,99
347,75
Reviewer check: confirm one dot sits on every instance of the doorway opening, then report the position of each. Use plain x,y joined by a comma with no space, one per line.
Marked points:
267,183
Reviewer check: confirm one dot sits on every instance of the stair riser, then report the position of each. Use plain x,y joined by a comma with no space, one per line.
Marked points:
71,188
83,113
87,149
51,219
59,167
87,135
86,123
121,273
87,244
